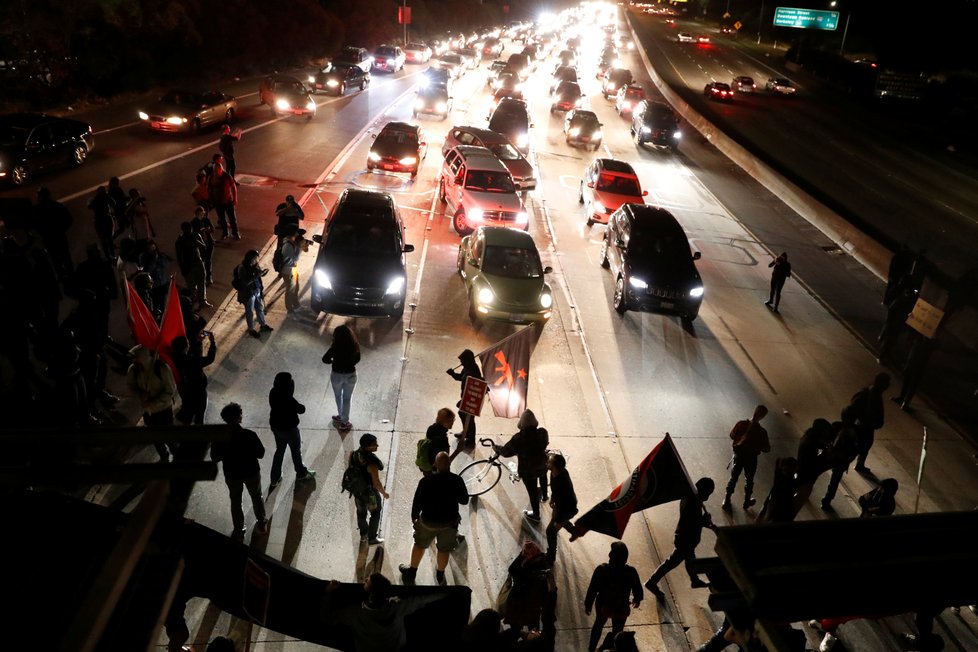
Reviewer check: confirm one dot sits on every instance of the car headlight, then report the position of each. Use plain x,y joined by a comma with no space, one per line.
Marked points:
332,83
311,106
637,283
395,286
143,115
441,107
546,300
696,292
612,87
419,103
575,131
626,105
646,129
175,120
522,218
522,140
282,105
475,214
486,295
409,160
677,134
311,79
597,134
373,156
322,279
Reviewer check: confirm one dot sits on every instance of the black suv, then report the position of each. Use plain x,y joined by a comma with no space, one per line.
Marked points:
399,147
360,268
33,142
655,123
649,257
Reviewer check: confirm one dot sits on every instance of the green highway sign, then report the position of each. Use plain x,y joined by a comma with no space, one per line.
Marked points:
806,18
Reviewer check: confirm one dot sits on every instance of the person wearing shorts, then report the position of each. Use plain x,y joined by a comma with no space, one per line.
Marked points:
436,518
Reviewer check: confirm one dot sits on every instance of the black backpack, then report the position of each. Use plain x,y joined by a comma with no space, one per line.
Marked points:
236,282
354,478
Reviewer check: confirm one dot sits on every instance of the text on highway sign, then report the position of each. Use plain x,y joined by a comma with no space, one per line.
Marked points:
806,18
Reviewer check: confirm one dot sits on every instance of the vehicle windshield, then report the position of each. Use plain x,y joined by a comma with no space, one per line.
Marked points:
290,87
394,137
505,121
634,94
487,181
177,97
416,46
373,236
386,52
505,152
450,59
11,135
668,246
617,185
512,262
660,114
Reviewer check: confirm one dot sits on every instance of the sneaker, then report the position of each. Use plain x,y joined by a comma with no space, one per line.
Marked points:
543,496
767,303
375,541
337,419
238,535
653,587
206,304
440,578
529,515
273,484
726,506
310,475
407,572
255,334
265,328
237,236
697,583
827,506
344,425
264,526
749,502
861,468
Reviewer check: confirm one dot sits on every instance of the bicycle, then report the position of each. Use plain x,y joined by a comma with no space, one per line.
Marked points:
480,476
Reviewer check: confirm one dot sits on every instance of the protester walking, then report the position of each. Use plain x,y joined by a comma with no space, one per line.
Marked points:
866,408
189,250
529,445
780,273
192,385
913,369
563,501
897,310
779,506
749,441
435,515
614,588
288,215
247,280
52,220
469,368
204,228
529,595
291,248
813,459
155,388
693,517
101,207
844,448
283,419
366,488
222,192
343,354
137,217
881,501
435,441
242,471
226,145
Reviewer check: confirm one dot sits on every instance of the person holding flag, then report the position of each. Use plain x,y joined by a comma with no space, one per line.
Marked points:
693,517
469,368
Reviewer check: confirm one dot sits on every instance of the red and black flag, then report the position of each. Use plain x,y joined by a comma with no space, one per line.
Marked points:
171,327
660,478
143,326
506,367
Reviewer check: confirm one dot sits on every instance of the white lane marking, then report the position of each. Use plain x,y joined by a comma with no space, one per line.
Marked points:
211,144
577,323
125,126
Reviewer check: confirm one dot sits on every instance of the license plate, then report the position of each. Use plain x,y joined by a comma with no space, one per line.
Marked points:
387,166
585,139
518,317
667,305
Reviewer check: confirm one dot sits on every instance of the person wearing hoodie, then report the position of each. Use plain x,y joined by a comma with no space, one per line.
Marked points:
284,422
469,368
155,388
529,445
242,471
612,584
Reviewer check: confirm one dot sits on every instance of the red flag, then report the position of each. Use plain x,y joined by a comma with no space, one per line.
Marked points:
144,328
171,327
506,367
660,478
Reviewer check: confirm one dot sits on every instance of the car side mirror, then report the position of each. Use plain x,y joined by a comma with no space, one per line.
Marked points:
645,193
590,184
697,255
318,239
548,269
532,125
408,248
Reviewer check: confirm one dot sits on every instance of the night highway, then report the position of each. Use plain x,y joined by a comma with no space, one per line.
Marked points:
608,387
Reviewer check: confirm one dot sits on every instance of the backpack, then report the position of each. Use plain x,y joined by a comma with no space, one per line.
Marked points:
353,478
278,259
422,459
236,280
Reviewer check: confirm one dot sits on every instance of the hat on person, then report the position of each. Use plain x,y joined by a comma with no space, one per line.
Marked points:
367,439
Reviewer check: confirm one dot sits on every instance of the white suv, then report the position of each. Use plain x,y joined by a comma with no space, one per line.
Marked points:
480,190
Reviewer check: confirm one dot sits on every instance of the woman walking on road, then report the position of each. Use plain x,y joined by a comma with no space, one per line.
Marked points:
343,354
283,419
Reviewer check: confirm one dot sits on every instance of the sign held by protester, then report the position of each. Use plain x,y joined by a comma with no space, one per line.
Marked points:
473,395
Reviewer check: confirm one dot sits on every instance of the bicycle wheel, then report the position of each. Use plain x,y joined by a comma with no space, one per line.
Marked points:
480,476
